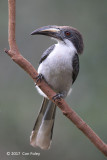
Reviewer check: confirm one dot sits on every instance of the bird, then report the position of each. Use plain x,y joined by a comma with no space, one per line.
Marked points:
59,66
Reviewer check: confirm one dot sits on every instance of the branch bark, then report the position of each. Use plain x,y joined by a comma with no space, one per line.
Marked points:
27,66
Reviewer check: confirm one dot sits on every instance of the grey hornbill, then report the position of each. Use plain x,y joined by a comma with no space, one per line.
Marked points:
59,66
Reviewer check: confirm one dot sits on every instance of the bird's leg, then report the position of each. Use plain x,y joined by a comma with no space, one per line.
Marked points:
58,96
39,78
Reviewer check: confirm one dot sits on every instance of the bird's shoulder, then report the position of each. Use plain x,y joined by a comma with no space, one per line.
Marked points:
46,53
75,65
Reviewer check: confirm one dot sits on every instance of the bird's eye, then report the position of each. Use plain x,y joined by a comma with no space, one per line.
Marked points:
67,33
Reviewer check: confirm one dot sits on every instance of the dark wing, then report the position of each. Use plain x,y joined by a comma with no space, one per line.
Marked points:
46,53
75,65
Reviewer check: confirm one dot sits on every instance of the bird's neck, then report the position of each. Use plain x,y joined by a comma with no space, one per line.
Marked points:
67,44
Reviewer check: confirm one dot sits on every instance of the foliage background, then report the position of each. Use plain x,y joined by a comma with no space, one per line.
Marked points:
20,102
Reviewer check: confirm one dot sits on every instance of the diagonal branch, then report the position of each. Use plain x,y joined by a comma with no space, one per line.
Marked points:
27,66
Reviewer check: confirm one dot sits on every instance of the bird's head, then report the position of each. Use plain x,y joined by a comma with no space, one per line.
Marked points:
63,33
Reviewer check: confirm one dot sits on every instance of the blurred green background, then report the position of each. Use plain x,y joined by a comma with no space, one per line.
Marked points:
20,102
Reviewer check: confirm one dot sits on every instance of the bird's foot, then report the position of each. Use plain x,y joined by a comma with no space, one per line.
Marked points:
39,78
58,96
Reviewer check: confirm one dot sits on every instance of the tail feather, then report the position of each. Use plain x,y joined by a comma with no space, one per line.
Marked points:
42,132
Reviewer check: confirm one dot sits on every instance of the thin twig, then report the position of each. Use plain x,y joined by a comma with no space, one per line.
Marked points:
27,66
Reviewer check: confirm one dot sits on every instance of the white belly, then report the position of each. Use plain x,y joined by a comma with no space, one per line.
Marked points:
57,69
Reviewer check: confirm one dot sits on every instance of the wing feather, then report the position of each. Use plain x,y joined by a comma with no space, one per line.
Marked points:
46,53
75,66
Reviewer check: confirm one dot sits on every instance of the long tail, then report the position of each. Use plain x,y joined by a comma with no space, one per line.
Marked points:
41,135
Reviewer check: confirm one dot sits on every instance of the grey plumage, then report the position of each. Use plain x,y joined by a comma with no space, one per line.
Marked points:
43,128
59,65
75,64
46,53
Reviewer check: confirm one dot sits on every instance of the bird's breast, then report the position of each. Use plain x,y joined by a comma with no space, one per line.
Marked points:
57,68
61,58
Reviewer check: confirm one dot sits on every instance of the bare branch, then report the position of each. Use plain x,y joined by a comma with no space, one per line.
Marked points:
23,63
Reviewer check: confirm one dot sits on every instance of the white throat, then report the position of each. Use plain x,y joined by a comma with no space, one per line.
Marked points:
66,43
70,44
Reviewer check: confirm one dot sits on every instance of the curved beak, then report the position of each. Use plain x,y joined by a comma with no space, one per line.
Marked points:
52,31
